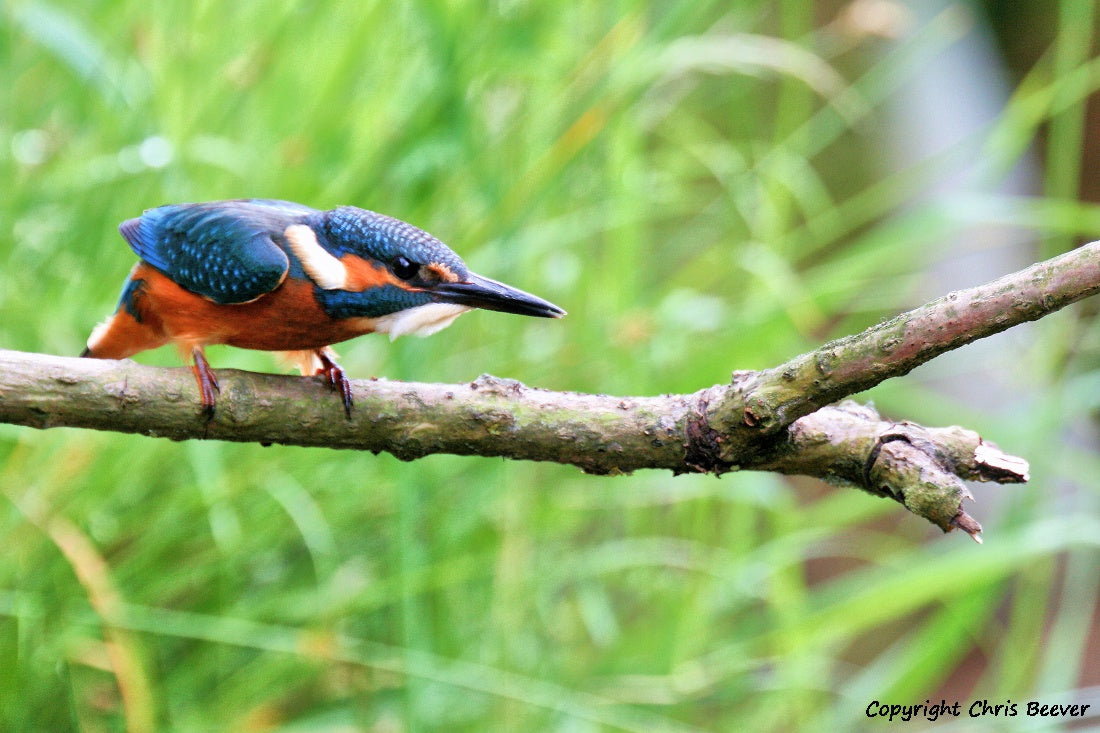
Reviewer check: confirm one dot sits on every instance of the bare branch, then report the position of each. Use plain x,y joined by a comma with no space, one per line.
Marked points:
488,417
774,420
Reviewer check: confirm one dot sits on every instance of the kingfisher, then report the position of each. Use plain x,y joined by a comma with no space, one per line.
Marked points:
279,276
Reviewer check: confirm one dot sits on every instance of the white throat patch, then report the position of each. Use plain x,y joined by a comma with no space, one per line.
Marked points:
423,320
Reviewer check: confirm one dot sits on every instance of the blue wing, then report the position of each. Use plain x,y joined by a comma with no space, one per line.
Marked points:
223,250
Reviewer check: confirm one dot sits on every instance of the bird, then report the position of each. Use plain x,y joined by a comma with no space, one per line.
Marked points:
280,276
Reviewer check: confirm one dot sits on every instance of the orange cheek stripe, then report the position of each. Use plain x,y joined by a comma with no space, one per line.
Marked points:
363,275
445,274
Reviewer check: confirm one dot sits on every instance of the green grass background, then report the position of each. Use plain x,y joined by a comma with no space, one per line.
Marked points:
702,186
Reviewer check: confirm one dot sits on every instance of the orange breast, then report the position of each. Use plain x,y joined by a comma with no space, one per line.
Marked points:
286,319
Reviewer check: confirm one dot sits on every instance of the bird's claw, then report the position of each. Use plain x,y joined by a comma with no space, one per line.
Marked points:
337,380
208,383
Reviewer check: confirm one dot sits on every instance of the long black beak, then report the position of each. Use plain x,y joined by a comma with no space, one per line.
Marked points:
481,292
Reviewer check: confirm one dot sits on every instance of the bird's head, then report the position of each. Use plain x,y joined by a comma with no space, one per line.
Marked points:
374,266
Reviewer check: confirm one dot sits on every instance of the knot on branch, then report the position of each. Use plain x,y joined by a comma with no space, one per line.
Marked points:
920,475
907,433
498,386
702,443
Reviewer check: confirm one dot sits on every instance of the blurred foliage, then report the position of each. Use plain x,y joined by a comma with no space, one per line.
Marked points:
704,186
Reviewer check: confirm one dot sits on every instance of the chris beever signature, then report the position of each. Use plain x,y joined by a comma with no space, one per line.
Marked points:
932,711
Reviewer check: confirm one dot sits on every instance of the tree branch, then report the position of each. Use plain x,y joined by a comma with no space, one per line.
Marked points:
767,401
775,419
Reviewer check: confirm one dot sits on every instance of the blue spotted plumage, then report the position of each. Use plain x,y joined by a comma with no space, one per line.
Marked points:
224,251
280,276
348,229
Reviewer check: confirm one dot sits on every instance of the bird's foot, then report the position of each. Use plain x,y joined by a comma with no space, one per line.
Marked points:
337,380
208,383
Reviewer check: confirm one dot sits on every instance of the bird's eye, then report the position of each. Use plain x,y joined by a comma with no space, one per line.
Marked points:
404,269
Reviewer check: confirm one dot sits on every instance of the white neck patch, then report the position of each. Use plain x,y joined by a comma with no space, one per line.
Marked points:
321,266
423,320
